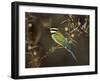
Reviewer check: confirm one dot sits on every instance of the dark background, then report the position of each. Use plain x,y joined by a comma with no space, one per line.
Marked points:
38,37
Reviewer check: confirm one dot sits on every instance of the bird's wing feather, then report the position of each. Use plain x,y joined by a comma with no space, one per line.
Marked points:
59,38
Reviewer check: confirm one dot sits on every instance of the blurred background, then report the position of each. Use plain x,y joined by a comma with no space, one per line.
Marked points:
42,51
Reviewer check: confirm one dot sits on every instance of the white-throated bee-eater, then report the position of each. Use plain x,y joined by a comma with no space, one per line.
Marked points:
59,38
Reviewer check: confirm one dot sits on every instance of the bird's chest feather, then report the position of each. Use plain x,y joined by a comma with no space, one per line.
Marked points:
58,38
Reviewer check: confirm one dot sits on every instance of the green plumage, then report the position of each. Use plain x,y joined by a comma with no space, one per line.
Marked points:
59,38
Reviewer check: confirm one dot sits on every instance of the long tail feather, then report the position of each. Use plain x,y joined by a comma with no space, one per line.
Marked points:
72,54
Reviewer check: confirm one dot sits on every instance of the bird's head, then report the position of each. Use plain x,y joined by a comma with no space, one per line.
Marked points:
53,30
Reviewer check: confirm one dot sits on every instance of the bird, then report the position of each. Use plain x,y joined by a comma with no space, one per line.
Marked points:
59,38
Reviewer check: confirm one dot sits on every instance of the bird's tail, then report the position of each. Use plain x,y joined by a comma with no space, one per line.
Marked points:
72,54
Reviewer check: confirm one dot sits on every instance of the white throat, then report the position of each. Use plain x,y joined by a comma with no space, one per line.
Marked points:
52,31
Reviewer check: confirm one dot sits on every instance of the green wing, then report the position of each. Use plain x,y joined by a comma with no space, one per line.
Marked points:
59,38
